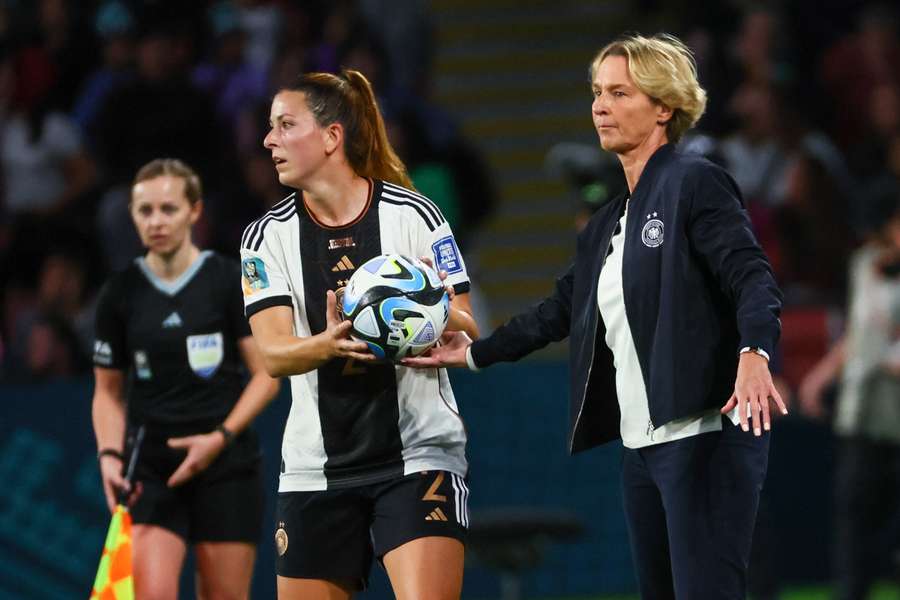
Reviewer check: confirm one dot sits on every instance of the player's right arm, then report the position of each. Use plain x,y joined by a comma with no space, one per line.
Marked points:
269,306
287,354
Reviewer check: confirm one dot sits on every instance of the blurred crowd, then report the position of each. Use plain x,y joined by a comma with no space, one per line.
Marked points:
92,90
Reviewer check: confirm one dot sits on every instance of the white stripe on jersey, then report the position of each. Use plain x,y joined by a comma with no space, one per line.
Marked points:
253,233
429,204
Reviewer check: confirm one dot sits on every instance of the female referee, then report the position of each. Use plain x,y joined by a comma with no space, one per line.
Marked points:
171,331
673,312
373,455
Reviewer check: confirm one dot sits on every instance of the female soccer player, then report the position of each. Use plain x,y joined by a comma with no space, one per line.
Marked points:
368,446
172,326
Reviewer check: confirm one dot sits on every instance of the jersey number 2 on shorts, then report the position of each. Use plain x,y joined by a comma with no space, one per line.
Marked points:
351,368
431,494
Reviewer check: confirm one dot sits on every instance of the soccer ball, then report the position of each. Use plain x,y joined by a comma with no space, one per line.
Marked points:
397,305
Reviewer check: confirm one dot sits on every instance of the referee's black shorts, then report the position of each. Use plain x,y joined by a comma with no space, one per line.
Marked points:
223,503
334,534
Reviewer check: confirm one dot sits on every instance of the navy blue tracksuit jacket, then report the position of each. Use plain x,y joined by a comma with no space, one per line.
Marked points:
697,288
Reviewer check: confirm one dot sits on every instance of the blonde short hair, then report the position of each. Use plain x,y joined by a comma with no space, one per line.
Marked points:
663,68
193,189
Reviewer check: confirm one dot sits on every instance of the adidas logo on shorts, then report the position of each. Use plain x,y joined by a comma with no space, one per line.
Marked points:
436,515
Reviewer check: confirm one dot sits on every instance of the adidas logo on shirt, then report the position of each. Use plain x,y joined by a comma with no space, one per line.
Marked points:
173,320
436,515
343,265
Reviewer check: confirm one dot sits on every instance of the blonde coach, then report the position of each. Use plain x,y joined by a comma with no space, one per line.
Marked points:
673,312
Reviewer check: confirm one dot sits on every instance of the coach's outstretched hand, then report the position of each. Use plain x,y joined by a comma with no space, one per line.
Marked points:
450,352
753,390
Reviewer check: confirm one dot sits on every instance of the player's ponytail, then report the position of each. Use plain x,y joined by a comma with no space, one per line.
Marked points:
348,99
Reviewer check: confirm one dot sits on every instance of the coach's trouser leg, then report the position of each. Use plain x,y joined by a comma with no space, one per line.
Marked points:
647,532
710,486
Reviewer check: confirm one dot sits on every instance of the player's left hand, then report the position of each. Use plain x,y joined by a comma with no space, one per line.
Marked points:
753,390
442,274
202,449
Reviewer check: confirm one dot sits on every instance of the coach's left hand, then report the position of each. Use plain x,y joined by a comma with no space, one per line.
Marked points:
753,389
201,449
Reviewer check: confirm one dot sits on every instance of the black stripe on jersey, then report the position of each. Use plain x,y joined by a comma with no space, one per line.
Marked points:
283,209
257,233
247,235
433,208
431,226
359,413
286,217
269,302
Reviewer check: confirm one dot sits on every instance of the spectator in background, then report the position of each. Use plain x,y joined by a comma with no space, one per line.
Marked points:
58,318
45,167
235,84
868,158
114,25
52,351
866,360
159,112
858,64
813,232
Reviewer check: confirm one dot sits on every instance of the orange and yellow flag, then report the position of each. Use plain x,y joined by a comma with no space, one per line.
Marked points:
114,580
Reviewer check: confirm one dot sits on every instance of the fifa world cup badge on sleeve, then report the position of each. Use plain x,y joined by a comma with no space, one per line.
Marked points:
253,275
446,255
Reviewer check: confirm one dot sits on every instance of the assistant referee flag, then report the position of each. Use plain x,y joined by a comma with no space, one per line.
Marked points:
114,580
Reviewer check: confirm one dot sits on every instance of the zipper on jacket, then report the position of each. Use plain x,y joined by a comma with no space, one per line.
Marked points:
650,428
586,383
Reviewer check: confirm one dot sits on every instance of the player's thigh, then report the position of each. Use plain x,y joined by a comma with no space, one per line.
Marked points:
426,568
293,588
224,570
158,555
419,532
323,536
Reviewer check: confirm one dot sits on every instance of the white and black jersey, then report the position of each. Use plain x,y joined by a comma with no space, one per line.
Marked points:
176,340
353,424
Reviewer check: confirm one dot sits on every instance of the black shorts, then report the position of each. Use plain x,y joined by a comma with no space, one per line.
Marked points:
334,534
223,503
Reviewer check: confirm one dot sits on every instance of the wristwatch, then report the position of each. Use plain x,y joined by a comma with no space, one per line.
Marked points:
755,350
226,433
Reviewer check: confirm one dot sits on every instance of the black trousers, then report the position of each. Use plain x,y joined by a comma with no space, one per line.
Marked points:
690,507
867,514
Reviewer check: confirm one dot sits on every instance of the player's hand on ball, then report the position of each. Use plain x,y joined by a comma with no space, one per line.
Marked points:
337,334
442,274
450,352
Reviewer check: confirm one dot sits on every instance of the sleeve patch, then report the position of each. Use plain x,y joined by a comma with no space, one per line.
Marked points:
253,275
446,255
102,353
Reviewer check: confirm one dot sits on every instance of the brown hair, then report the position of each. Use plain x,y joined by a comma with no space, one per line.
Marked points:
662,67
348,99
172,167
